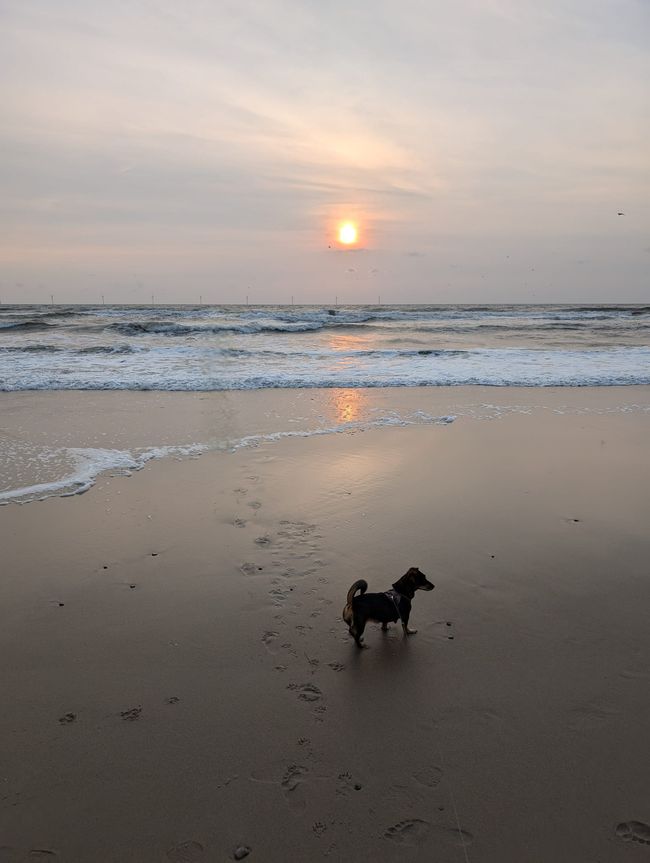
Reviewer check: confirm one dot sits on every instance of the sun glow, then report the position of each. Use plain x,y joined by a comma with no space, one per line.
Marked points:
348,233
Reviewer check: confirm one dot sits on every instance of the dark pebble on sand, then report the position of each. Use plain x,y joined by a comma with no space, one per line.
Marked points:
449,623
450,637
358,787
132,586
154,554
67,718
104,567
241,852
492,556
61,604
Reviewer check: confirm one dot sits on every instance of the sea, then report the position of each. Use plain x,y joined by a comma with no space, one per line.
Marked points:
180,347
325,370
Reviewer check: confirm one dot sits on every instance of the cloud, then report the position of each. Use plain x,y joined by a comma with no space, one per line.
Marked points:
227,127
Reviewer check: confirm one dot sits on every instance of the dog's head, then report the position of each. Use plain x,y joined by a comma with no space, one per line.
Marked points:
411,581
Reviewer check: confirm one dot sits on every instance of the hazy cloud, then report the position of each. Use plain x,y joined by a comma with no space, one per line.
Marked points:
219,144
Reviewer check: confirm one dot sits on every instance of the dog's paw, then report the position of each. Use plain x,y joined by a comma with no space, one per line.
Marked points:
634,831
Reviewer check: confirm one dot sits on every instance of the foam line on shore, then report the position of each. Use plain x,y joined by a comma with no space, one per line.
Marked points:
90,462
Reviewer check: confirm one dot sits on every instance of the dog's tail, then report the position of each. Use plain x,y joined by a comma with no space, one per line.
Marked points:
362,587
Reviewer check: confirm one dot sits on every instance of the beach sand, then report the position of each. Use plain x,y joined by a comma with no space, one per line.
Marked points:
177,682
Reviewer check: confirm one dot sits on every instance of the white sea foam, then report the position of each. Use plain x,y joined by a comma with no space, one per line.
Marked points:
185,369
224,348
88,463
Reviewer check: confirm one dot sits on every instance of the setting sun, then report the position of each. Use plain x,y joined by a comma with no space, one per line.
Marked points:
347,233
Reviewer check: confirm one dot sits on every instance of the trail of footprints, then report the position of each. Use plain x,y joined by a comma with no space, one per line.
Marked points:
293,551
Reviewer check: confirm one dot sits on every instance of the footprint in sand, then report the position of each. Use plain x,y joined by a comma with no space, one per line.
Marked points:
239,522
186,852
268,639
68,718
41,854
263,540
292,778
633,831
306,691
286,645
428,776
279,594
250,568
173,699
132,714
291,784
336,666
410,832
254,504
347,784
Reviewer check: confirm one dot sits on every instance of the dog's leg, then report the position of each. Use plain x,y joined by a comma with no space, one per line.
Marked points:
405,626
356,630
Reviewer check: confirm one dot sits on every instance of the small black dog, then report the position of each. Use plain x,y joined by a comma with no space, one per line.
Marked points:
383,608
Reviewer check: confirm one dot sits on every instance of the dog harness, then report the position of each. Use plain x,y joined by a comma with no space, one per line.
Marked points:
395,597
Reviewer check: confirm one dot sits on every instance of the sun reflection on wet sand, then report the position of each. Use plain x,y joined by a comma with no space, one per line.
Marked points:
349,405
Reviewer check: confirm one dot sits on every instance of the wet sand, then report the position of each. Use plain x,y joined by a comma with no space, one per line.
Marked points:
178,684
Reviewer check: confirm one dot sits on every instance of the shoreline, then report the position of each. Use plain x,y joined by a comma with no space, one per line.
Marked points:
181,684
120,432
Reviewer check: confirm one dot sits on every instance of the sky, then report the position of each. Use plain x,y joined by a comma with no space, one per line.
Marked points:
209,149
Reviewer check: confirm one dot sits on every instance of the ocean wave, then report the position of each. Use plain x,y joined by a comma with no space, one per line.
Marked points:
165,328
57,349
261,322
187,368
24,326
107,349
630,309
30,349
216,320
386,353
286,381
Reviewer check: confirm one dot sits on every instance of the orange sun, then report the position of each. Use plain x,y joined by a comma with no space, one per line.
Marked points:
348,233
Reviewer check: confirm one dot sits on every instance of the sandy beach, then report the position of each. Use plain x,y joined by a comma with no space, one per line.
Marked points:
178,684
